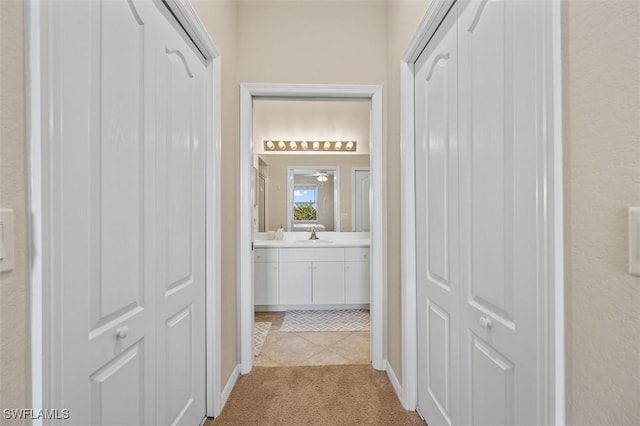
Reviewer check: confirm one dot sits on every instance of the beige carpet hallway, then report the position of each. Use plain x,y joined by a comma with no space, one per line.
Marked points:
318,395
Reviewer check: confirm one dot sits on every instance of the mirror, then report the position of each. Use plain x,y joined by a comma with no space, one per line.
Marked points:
314,200
326,188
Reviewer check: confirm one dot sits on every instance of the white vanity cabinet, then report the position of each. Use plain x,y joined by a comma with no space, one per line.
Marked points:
328,283
295,283
356,275
324,277
265,273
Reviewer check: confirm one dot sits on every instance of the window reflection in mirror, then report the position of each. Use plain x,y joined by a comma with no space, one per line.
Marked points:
314,199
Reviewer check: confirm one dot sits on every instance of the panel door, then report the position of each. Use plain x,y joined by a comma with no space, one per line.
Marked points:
180,176
295,283
103,211
328,283
437,227
501,202
266,283
356,282
361,196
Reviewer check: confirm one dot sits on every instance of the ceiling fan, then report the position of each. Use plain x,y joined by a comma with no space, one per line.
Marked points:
321,175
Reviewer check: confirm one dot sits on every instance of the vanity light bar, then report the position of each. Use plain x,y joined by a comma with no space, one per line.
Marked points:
349,146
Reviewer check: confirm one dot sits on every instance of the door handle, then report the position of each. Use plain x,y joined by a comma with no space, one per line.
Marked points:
485,322
122,332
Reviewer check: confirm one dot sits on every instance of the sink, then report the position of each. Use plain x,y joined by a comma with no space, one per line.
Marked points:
313,241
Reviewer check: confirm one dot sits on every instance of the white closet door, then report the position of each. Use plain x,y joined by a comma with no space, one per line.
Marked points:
501,211
103,211
437,226
127,216
181,230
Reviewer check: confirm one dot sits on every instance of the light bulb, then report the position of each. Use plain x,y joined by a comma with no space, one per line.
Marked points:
293,145
337,146
349,146
316,145
327,145
304,145
282,145
270,145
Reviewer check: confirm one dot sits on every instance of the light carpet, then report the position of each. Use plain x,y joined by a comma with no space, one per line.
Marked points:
261,329
335,320
322,395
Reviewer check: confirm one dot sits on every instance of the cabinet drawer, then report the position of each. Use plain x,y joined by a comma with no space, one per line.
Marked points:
265,255
312,254
356,254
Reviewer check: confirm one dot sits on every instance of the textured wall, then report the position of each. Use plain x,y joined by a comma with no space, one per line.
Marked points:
15,356
602,179
219,17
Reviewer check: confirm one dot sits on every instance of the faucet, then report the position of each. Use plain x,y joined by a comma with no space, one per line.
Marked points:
313,234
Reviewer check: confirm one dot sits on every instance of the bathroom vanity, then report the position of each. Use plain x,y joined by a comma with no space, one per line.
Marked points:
303,274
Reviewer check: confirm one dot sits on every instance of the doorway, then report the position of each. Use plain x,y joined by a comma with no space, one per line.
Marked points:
248,94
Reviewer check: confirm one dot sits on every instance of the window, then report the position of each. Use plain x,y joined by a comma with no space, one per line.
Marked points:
305,203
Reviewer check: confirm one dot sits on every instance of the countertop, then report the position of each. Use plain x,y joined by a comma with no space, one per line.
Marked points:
338,243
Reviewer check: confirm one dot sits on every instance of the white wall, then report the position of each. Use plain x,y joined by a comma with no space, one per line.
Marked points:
602,179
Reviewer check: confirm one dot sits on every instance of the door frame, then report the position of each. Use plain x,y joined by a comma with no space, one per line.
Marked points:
353,192
551,269
280,91
45,320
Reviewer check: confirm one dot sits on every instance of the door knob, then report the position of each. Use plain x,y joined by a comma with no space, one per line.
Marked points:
122,332
485,322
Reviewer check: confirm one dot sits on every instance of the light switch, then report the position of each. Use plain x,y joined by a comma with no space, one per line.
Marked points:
6,240
634,241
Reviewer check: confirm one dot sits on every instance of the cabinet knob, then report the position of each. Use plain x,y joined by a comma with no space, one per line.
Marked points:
122,332
485,322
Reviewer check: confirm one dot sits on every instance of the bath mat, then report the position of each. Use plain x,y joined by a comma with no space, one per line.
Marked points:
336,320
261,329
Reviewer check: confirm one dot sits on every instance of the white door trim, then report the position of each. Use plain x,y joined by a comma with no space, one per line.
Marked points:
551,272
251,91
40,67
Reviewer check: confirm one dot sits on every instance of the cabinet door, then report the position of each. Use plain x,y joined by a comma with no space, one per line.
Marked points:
356,282
328,282
266,280
295,283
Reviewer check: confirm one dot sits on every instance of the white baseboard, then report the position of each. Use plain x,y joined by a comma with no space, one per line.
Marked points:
231,383
394,381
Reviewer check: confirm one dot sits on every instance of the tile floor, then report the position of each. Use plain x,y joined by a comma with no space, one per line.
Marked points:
317,348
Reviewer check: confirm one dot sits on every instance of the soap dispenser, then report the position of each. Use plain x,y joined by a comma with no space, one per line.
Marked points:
280,233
